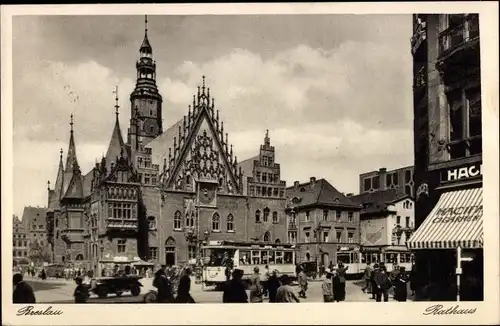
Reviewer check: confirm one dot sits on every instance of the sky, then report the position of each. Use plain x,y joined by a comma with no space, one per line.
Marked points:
335,91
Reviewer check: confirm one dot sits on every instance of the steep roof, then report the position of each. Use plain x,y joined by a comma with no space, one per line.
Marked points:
160,145
378,202
320,193
247,166
33,215
116,145
87,183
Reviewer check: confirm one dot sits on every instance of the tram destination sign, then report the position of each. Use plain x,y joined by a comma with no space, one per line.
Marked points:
472,171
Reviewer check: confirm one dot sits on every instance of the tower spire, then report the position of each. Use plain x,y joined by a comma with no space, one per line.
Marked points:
267,140
117,107
71,159
146,25
71,123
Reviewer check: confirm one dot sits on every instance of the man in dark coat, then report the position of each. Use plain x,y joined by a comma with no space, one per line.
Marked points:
183,295
81,293
383,283
372,280
401,285
367,278
235,289
23,293
164,294
273,283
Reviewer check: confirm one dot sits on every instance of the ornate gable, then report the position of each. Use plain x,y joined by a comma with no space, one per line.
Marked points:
121,172
200,152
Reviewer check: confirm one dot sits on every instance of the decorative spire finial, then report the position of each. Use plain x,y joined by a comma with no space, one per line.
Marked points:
203,83
267,141
48,185
116,101
61,154
146,24
71,122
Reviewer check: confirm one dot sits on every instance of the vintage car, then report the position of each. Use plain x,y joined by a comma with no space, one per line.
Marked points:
117,285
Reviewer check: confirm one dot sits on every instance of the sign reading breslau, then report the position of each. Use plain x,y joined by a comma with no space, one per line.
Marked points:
458,214
462,173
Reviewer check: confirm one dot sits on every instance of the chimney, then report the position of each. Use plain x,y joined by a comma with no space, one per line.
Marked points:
382,170
312,181
296,185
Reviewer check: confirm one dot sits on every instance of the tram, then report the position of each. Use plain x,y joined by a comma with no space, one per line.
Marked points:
245,256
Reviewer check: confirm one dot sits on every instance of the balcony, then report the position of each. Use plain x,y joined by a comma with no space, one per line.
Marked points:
459,45
419,36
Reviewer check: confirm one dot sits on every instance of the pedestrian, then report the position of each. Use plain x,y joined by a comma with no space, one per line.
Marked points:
256,290
273,284
302,278
285,292
372,281
43,274
367,278
235,289
23,292
401,285
339,283
163,286
267,274
383,283
327,287
183,295
81,293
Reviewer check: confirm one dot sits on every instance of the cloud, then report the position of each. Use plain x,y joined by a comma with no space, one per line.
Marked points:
332,113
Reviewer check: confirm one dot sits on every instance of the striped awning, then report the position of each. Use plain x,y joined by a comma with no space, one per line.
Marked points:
455,221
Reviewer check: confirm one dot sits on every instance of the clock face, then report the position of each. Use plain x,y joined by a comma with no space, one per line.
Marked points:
150,127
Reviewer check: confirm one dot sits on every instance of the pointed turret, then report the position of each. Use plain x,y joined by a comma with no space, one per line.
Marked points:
59,178
71,158
72,179
146,46
116,144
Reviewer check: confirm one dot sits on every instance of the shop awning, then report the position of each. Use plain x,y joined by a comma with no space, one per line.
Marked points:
456,220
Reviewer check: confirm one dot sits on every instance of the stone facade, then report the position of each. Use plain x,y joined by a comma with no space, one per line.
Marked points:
19,241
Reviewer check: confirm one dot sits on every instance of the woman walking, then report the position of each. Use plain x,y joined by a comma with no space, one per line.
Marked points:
339,283
183,295
401,285
327,288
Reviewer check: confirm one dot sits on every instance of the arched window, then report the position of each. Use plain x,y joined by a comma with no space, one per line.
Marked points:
152,222
79,257
278,241
266,215
267,237
230,222
215,222
170,252
275,217
177,220
257,216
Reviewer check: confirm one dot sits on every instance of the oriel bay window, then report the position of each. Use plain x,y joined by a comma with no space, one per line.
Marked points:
465,131
121,211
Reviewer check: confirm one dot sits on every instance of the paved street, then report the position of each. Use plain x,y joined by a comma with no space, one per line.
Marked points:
61,291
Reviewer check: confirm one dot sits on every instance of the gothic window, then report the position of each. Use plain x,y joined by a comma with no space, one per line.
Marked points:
257,216
152,222
230,222
277,241
177,220
252,190
153,253
264,177
275,192
266,215
267,237
216,222
258,191
275,217
269,192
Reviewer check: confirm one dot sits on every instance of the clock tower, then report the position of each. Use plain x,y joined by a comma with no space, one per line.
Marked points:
145,100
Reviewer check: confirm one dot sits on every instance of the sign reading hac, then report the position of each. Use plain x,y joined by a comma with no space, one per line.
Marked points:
461,173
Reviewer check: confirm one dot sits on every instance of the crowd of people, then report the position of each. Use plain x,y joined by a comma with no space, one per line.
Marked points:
379,282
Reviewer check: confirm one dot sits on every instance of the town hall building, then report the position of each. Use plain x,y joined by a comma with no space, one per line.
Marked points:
159,194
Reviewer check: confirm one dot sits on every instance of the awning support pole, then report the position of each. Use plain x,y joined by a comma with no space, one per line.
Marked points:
458,271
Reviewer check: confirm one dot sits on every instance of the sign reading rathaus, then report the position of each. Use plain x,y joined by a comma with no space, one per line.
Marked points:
156,196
